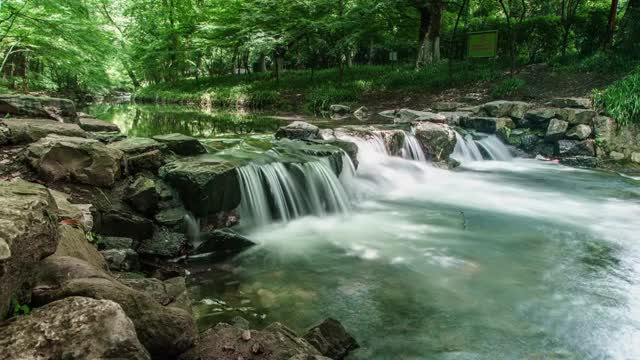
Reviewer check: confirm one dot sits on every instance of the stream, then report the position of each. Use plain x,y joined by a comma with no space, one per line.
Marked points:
509,259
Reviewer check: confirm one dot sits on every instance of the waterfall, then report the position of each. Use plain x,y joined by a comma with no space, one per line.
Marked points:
411,149
488,148
279,192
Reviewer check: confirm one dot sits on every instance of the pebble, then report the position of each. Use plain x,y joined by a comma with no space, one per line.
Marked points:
246,335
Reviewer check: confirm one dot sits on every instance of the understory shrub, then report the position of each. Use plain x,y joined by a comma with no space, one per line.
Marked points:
508,87
621,100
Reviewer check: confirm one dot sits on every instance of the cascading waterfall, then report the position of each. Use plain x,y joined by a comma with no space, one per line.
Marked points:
488,148
411,149
277,192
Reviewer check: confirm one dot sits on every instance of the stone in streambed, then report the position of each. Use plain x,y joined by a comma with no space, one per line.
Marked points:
438,140
87,161
339,109
587,162
121,259
72,328
172,217
446,106
142,194
362,113
298,130
26,131
120,222
331,339
61,110
164,243
89,123
222,243
137,145
28,233
407,116
181,144
568,148
503,108
171,292
114,242
73,242
166,332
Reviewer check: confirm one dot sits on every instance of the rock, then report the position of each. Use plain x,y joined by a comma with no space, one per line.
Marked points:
614,155
604,128
27,234
576,116
275,342
331,339
107,137
569,148
438,140
394,141
165,332
339,109
207,185
572,102
388,113
137,145
539,118
121,259
164,243
635,157
502,108
455,118
87,161
349,147
114,242
26,131
88,123
487,125
580,161
73,242
579,132
172,217
72,328
298,130
5,134
446,106
172,292
361,113
182,144
556,130
222,242
61,110
151,160
79,214
143,195
122,223
474,110
407,116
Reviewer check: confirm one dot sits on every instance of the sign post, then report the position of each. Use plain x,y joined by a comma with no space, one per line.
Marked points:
483,44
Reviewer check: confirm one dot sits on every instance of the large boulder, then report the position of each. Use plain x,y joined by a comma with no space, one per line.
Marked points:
164,243
538,118
339,109
576,116
331,339
579,132
87,161
120,222
62,110
25,131
137,145
298,130
72,328
207,185
182,144
222,243
503,108
166,332
572,102
74,214
568,148
171,292
121,259
556,130
27,234
92,124
587,162
72,242
407,116
227,342
143,195
487,125
438,140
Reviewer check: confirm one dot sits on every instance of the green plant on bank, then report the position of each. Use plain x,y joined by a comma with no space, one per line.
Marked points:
621,100
507,88
19,309
601,62
92,237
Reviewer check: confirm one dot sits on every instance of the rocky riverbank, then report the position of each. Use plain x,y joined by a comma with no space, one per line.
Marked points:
90,221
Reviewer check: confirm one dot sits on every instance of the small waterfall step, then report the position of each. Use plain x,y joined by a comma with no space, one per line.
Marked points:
489,147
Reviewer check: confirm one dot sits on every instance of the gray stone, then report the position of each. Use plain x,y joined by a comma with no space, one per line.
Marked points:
569,148
166,332
120,222
587,162
446,106
172,292
151,161
87,161
635,157
604,128
5,134
502,108
361,113
576,116
26,131
28,233
72,328
223,243
455,118
172,217
107,137
114,242
339,109
388,113
617,156
438,140
572,102
182,144
143,195
137,145
298,130
331,339
164,243
76,214
579,132
88,123
121,259
556,130
407,116
487,124
541,114
73,242
62,110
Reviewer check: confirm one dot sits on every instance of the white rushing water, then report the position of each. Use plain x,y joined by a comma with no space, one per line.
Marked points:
468,149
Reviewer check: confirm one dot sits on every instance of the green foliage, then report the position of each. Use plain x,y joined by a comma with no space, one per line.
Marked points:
603,63
19,309
319,99
92,237
621,100
507,88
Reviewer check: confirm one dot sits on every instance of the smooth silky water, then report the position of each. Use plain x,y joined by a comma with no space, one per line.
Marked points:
512,259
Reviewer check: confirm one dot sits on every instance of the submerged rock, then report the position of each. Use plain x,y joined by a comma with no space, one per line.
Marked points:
222,243
87,161
331,339
72,328
580,161
166,332
182,144
26,131
438,140
62,110
27,234
298,130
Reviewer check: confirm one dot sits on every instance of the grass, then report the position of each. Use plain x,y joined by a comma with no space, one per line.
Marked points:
507,88
316,90
621,100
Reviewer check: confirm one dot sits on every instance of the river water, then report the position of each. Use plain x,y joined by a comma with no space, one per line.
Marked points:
515,259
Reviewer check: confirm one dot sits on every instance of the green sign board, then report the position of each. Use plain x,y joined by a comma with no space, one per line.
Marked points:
482,44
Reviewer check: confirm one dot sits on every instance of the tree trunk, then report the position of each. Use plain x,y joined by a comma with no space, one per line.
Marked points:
423,31
434,31
372,52
262,63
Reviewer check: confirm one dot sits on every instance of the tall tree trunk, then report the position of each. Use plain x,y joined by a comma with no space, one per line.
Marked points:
372,52
453,37
435,29
423,31
512,51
